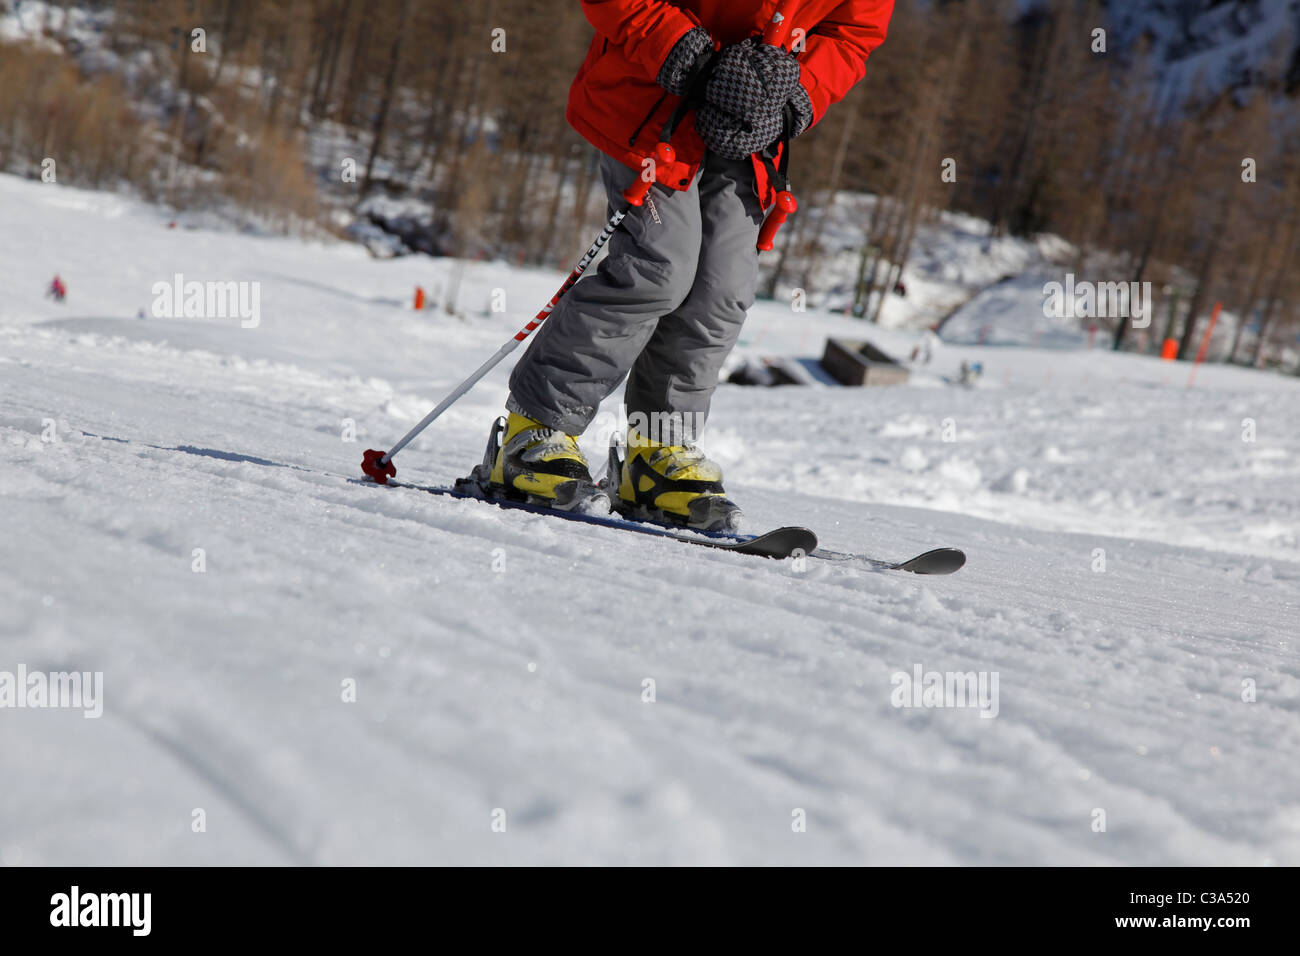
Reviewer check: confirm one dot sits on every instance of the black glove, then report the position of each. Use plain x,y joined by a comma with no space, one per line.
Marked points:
752,80
687,55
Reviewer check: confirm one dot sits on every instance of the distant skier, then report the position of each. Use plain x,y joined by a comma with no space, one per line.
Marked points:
57,290
666,307
929,345
923,351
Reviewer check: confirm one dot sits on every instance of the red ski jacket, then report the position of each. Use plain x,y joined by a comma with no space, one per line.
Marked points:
618,106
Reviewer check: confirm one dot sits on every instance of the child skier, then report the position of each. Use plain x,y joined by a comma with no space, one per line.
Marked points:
666,306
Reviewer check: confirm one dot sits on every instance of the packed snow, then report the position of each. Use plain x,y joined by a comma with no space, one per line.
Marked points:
180,514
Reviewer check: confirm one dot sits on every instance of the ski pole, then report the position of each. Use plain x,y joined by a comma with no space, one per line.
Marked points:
379,464
778,28
776,34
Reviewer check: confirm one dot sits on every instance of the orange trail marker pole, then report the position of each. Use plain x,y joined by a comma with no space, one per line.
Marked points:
1205,343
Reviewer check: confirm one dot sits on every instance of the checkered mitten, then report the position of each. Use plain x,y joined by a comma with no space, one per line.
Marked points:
677,73
731,137
752,80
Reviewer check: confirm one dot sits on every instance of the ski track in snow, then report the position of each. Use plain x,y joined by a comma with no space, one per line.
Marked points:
521,688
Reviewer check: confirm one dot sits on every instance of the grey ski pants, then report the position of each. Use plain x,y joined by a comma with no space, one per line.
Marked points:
664,308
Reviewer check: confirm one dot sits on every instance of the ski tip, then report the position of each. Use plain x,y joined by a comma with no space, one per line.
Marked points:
779,543
938,561
803,540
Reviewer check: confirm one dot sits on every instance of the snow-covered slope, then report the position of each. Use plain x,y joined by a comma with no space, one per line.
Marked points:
1237,45
500,659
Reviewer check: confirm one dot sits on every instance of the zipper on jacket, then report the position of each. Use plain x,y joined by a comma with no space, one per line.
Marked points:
631,140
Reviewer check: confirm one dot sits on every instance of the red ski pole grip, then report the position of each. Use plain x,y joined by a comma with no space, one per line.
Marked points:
778,28
785,205
664,155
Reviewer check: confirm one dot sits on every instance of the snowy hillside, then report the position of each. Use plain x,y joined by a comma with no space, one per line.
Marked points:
952,260
1238,45
500,659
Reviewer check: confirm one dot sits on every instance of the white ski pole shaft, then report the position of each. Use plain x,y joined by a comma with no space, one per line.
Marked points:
454,397
378,465
513,344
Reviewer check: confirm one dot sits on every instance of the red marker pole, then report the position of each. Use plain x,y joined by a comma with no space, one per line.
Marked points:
778,28
379,464
777,33
1205,342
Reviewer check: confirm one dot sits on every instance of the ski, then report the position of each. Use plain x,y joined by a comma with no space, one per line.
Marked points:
779,543
788,542
936,562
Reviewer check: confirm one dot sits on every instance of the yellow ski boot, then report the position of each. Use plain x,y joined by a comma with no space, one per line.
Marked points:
527,461
674,484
